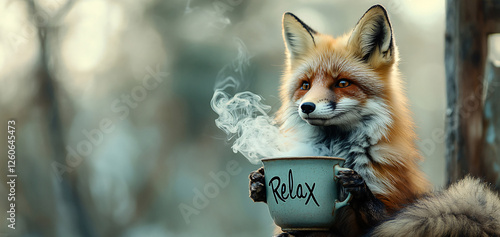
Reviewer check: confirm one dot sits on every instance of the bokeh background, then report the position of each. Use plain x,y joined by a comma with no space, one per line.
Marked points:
115,135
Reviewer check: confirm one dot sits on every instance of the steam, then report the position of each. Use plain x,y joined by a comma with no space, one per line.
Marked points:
245,119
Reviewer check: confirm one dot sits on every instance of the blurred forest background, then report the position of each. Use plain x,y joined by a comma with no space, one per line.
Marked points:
115,134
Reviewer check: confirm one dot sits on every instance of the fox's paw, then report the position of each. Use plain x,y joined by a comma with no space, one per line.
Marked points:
257,185
353,183
371,209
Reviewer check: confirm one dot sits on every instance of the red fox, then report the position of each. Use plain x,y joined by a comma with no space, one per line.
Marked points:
346,93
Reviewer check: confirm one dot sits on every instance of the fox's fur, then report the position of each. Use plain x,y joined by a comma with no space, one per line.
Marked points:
375,135
369,124
467,208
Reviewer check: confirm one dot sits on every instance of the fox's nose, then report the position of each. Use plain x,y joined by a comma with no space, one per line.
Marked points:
308,107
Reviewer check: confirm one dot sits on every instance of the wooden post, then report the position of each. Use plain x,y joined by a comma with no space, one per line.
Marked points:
492,124
468,24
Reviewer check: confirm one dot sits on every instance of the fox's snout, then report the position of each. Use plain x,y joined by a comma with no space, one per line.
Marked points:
318,112
307,107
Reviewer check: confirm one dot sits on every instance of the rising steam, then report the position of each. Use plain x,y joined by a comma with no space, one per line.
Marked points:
244,118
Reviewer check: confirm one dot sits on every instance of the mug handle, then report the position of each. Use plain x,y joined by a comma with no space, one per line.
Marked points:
338,204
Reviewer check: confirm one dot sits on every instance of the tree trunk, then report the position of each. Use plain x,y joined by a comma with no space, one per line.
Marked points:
468,25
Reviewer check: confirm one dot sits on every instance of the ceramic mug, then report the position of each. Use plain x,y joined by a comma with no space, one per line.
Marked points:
302,193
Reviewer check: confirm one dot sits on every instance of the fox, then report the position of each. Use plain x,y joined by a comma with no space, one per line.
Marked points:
347,93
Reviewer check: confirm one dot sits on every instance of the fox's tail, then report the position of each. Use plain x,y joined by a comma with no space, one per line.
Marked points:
467,208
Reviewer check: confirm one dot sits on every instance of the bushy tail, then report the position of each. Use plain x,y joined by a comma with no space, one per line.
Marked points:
467,208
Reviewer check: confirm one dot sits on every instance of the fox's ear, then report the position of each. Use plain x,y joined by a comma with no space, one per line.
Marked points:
372,37
298,37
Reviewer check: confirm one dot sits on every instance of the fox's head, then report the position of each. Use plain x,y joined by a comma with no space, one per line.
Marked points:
340,81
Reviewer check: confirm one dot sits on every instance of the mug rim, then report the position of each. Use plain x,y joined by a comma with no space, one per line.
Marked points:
302,158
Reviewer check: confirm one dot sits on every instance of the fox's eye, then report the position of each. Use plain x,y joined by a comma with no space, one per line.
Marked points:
343,83
305,86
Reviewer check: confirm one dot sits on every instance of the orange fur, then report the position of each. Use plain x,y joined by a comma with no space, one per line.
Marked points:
369,124
374,102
